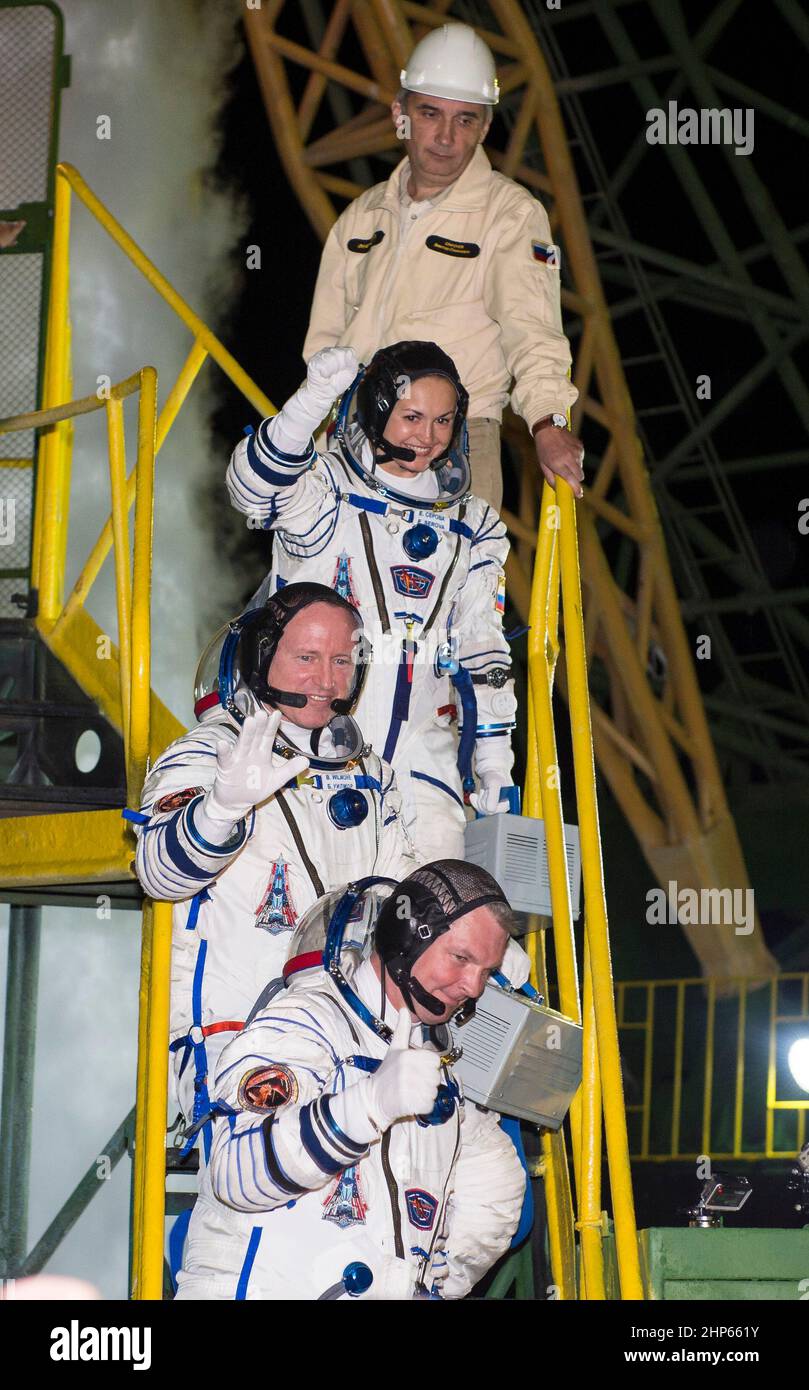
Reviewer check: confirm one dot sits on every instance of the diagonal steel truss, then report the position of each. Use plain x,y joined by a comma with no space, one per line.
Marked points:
327,77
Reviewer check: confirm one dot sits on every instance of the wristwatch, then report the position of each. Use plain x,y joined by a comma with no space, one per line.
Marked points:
497,677
555,421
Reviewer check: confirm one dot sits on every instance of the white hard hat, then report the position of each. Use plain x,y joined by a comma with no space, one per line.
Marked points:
452,62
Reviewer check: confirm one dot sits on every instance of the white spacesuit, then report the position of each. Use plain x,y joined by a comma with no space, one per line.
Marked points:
242,874
419,556
344,1145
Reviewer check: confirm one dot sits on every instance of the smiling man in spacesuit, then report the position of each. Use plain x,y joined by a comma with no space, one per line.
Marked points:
345,1160
252,816
386,518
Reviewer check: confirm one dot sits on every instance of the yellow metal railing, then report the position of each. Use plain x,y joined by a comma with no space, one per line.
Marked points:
557,570
132,576
683,1112
69,631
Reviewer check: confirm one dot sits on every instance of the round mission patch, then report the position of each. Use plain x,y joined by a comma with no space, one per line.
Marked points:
267,1088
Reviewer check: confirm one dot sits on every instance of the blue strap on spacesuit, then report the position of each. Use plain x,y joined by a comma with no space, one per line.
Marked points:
177,1237
249,1260
462,680
510,1125
196,1046
374,504
400,711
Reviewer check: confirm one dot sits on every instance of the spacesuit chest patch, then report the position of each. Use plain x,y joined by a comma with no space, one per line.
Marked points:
175,800
267,1088
344,1205
276,911
467,250
412,581
421,1208
364,244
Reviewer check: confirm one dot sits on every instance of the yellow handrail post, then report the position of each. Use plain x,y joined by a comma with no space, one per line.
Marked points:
595,904
154,1185
152,1099
120,530
50,542
141,587
543,800
589,1223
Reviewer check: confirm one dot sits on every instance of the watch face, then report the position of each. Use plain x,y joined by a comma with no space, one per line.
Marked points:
560,421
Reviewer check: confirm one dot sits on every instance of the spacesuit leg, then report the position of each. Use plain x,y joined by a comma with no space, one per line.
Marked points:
434,815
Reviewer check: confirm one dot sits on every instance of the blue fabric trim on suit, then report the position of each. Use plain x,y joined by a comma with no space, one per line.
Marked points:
270,475
249,1260
325,1114
235,842
400,709
510,1125
177,1236
435,782
178,856
313,1146
268,443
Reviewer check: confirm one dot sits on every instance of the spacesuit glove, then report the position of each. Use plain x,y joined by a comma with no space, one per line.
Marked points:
516,964
247,772
407,1081
487,798
328,374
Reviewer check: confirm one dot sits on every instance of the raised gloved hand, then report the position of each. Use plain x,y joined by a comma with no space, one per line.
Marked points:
487,798
247,771
330,372
407,1081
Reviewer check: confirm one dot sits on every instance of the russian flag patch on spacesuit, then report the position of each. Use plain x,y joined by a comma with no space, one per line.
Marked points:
500,594
548,255
421,1208
412,581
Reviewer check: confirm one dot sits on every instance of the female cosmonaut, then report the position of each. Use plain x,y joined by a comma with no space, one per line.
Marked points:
386,519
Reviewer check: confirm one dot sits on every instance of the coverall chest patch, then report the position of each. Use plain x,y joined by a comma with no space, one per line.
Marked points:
344,1204
466,250
421,1208
363,244
276,911
411,581
342,582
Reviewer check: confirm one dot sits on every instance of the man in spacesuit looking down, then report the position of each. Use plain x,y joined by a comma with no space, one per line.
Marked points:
345,1159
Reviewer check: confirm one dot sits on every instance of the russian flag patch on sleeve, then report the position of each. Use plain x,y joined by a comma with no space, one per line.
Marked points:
548,255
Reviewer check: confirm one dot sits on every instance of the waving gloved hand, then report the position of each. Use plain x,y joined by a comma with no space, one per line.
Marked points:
247,771
407,1081
487,798
328,375
330,372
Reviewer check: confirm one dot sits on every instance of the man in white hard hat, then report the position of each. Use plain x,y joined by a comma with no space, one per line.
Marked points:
450,251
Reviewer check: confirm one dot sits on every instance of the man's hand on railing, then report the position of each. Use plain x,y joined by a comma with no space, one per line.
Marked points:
560,455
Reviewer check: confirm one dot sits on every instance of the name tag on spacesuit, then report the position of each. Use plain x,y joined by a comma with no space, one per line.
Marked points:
330,781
